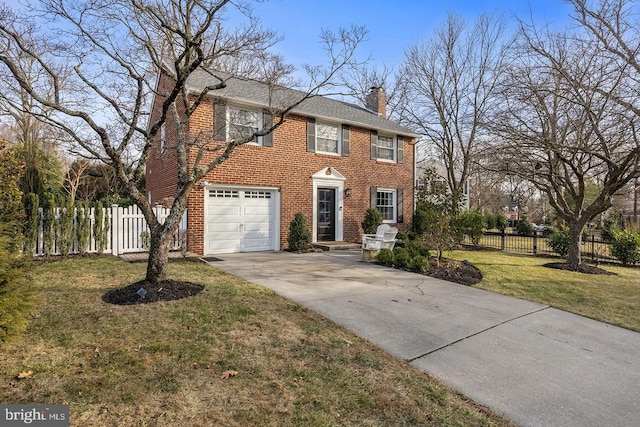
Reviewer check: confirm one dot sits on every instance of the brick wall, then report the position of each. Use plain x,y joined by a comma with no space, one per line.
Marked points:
162,168
288,166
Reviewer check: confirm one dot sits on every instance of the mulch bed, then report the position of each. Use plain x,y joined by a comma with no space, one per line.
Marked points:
582,268
166,290
455,271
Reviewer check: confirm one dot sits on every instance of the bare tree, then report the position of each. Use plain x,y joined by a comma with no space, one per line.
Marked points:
563,126
76,174
111,52
359,80
36,141
449,83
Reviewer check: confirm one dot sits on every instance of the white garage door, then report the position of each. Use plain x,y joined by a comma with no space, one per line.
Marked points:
239,221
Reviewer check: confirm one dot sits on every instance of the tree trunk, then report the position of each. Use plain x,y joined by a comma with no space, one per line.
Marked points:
158,261
573,259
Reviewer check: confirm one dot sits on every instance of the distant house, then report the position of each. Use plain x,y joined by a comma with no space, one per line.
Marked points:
440,169
329,160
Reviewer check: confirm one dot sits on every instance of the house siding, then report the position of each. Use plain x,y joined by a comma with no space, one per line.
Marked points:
289,166
162,168
286,165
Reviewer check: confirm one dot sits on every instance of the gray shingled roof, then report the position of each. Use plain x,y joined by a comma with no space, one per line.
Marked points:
256,93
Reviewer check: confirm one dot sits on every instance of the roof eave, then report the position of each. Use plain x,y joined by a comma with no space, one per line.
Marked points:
252,103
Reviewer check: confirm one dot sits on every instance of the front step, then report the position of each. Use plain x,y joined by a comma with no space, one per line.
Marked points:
336,246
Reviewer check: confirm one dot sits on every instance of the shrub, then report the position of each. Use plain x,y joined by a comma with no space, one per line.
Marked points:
66,213
16,297
83,228
559,241
31,223
372,219
490,221
100,228
610,227
547,231
299,238
419,264
471,223
402,258
420,221
418,249
386,257
524,227
49,223
502,221
402,236
626,247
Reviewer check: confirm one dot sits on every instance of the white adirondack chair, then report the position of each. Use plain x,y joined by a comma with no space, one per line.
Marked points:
385,237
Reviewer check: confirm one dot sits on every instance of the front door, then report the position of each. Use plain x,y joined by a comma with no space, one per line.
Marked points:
326,214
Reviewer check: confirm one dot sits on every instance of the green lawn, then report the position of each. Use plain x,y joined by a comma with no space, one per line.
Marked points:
524,244
608,298
163,364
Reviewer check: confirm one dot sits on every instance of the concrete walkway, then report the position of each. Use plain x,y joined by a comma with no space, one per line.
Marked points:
536,365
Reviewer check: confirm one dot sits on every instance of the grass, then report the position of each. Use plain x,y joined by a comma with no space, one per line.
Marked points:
524,244
163,364
613,299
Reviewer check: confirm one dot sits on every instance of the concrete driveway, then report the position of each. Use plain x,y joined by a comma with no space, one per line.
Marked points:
536,365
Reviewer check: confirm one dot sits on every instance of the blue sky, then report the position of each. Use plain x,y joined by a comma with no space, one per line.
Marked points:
393,25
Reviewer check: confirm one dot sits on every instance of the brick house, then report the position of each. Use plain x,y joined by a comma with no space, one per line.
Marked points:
329,160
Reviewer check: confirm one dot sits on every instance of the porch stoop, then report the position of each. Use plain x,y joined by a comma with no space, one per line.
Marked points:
336,246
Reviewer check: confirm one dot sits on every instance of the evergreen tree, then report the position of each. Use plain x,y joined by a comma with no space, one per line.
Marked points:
31,223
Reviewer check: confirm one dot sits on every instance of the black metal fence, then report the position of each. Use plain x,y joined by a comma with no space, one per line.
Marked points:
593,248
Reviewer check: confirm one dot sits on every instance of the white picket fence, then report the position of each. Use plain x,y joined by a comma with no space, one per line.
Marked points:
126,228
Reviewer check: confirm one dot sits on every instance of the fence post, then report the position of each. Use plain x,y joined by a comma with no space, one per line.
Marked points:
593,247
535,242
115,230
502,238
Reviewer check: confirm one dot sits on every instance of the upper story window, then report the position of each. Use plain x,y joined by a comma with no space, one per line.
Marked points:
386,148
243,123
233,123
327,138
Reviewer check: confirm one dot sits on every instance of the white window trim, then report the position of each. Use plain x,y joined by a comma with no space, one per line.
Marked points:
394,203
258,140
333,180
394,149
339,142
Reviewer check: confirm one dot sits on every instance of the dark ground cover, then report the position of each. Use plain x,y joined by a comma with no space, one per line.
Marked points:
461,272
142,292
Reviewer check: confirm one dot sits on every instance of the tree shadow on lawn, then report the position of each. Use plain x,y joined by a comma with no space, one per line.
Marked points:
582,268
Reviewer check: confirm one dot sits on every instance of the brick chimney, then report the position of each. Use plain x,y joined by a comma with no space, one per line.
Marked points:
376,101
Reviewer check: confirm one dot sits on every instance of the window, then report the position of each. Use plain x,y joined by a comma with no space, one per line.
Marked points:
257,194
327,138
386,147
386,204
224,194
243,124
390,203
